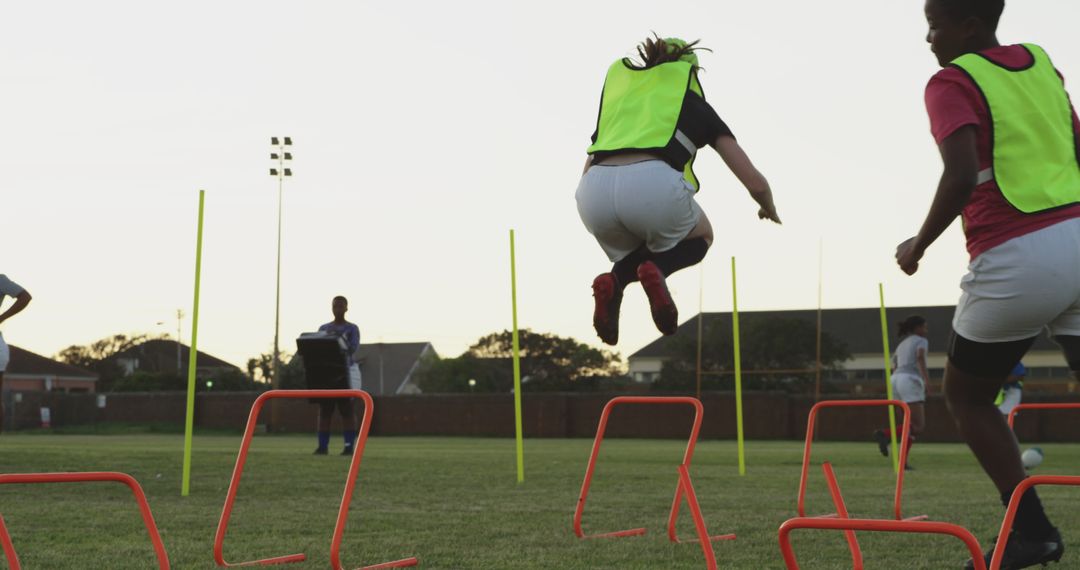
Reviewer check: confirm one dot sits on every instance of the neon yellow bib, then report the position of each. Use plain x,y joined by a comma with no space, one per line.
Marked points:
1034,147
640,109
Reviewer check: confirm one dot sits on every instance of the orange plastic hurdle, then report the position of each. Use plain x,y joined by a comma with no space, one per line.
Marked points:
346,498
90,476
1046,406
849,525
684,488
906,433
1014,502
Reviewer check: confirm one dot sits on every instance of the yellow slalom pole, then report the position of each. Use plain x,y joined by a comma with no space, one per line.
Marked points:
738,368
888,376
517,367
190,419
700,313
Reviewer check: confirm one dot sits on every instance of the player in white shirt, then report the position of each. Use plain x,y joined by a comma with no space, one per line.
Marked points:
8,288
909,379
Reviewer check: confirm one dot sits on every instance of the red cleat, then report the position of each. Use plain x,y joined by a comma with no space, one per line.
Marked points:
664,313
608,297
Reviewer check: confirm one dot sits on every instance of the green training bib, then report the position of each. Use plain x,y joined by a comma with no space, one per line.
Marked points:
1034,146
640,109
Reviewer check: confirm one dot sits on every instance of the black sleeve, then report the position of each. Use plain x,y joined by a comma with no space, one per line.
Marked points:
700,121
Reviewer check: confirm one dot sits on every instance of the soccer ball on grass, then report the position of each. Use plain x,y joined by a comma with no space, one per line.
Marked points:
1032,458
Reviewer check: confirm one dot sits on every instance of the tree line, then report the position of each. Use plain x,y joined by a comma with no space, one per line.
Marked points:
777,354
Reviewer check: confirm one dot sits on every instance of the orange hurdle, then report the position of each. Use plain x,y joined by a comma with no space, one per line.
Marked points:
1046,406
830,475
850,525
91,476
1014,503
684,488
350,482
906,434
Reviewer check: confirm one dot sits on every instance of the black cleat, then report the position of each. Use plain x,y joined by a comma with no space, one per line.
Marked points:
320,451
1022,552
347,451
882,442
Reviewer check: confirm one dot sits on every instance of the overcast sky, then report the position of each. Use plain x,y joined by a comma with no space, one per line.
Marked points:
423,132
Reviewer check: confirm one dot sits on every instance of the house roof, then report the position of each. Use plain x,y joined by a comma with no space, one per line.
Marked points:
386,366
26,363
159,355
859,329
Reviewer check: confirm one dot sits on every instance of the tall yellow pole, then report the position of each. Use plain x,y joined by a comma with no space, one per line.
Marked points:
888,375
700,316
517,368
189,422
738,368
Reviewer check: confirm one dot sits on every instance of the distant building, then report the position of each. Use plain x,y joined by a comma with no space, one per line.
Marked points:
30,372
389,368
164,355
860,331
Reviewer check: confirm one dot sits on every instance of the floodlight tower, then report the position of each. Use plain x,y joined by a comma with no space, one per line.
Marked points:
283,156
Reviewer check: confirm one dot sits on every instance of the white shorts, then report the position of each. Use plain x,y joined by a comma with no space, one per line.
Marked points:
908,388
354,377
627,205
1015,290
5,354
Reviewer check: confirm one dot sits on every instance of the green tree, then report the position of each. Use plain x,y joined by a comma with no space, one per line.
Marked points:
785,345
438,375
292,374
548,363
261,370
226,380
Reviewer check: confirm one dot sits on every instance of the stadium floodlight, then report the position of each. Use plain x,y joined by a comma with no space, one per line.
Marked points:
281,171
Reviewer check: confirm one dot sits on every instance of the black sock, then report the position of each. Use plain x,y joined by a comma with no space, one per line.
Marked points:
625,269
1031,521
686,253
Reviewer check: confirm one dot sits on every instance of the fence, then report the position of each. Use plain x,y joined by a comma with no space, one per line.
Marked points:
768,415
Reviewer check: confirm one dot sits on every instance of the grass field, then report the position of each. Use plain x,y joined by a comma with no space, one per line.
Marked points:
455,503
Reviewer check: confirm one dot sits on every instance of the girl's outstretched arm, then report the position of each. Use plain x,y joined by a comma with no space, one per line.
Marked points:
739,164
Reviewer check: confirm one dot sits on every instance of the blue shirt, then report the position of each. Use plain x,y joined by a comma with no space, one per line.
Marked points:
1020,371
348,331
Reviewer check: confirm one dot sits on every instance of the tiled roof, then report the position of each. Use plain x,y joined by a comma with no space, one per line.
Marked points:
859,329
159,355
24,362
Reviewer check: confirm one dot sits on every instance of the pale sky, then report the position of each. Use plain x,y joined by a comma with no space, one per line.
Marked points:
423,132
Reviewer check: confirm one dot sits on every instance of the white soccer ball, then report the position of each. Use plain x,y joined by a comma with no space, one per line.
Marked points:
1032,458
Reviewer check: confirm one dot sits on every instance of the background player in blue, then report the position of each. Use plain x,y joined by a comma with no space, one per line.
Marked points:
1012,391
351,333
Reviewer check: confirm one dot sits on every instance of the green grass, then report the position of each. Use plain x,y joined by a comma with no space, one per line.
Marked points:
455,503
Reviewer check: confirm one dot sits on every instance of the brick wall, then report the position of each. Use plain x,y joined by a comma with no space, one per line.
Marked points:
765,415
